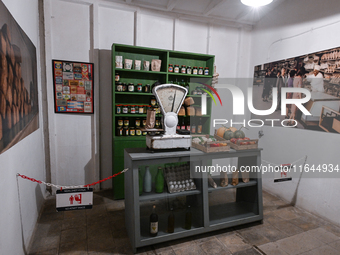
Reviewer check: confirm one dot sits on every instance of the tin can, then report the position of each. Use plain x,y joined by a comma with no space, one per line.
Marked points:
131,87
139,87
147,88
132,109
118,108
125,109
119,86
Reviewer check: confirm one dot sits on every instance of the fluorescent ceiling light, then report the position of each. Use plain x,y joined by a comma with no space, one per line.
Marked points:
256,3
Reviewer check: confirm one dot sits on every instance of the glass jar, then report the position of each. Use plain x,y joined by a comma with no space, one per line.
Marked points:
176,69
153,101
183,69
139,87
144,122
126,122
125,109
194,70
141,109
124,87
125,131
170,68
119,131
131,87
117,77
119,86
147,88
132,109
144,132
132,131
138,132
158,109
120,122
200,70
206,71
137,122
189,70
157,123
118,108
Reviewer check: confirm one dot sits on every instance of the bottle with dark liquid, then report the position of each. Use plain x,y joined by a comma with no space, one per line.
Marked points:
153,222
183,127
188,217
171,222
199,127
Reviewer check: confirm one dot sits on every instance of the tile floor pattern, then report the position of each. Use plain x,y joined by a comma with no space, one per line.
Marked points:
101,231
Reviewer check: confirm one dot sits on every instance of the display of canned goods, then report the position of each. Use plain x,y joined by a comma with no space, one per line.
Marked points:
131,87
139,87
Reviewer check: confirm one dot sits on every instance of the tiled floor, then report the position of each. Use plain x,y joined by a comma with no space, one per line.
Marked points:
101,230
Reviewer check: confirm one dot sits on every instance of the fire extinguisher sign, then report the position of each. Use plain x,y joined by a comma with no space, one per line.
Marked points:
74,199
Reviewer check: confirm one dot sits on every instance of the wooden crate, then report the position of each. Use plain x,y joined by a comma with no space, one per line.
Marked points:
206,146
238,146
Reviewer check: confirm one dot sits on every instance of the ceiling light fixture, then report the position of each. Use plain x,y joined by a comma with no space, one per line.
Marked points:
256,3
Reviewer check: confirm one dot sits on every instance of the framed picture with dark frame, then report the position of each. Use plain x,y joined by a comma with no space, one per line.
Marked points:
73,87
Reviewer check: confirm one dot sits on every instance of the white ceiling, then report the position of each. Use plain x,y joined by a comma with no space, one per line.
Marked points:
226,11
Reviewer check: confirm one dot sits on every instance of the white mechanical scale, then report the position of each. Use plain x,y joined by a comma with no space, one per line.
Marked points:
170,98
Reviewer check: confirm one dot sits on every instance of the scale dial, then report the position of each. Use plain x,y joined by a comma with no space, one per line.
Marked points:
170,97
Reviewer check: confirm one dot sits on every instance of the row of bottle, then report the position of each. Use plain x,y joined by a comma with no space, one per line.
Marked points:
192,127
171,221
126,127
145,182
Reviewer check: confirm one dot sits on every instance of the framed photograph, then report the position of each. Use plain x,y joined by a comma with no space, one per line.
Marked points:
73,87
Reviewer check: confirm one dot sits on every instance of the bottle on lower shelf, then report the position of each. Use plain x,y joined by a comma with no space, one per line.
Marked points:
153,222
171,221
188,218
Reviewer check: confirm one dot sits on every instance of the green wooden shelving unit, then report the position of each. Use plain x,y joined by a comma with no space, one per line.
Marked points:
119,143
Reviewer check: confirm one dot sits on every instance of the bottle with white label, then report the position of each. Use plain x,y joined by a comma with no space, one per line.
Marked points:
153,222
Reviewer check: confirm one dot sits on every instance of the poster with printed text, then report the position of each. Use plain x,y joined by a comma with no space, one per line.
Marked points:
73,86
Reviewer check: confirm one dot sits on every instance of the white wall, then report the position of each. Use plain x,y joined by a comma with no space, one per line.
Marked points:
309,26
26,157
72,25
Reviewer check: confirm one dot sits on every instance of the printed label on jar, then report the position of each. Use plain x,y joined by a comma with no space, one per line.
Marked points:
126,122
133,110
118,110
194,71
141,110
137,123
131,88
154,227
176,69
138,132
200,71
120,122
139,88
132,132
119,88
206,72
183,70
125,110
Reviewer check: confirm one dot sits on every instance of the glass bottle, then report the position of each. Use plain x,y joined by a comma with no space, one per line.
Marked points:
188,218
147,180
159,182
193,128
188,126
183,124
153,222
171,221
199,127
140,182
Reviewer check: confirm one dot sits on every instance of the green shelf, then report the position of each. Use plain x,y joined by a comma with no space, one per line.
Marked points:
140,98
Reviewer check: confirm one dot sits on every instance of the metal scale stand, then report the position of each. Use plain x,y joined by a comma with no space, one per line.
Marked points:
170,98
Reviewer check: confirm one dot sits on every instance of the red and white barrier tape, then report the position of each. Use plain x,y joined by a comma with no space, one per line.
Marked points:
71,187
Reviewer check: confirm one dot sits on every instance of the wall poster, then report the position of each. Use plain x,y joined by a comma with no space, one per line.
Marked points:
19,112
318,72
73,87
